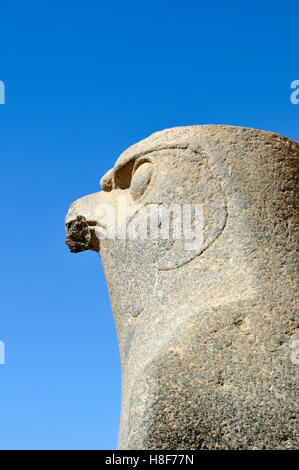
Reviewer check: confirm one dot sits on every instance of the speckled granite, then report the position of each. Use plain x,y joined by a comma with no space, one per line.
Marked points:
205,335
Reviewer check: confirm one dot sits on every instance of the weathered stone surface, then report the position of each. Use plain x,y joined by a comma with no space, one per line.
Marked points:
205,334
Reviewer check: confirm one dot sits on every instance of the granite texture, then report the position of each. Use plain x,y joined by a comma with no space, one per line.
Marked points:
205,334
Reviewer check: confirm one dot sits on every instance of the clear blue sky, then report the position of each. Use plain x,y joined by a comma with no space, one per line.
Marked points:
83,81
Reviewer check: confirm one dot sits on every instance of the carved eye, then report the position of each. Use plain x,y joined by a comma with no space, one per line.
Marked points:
141,179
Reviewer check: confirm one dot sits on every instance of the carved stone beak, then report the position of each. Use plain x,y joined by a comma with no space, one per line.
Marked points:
80,225
80,236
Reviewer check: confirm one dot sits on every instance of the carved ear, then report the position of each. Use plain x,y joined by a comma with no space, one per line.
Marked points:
209,209
183,251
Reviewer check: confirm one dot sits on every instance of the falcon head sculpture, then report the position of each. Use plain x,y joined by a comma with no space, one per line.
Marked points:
191,229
